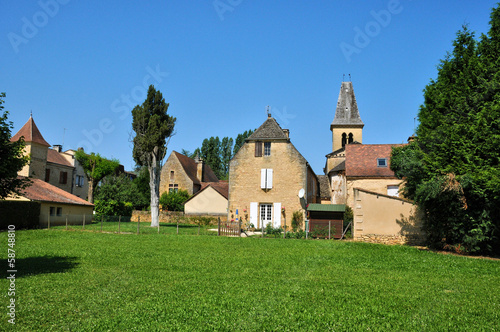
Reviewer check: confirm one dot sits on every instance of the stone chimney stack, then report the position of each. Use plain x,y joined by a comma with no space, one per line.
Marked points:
199,167
58,148
286,132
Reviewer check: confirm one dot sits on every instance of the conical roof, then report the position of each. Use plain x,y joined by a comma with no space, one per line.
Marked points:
347,109
31,133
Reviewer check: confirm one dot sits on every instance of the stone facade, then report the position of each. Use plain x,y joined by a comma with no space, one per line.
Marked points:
261,185
38,161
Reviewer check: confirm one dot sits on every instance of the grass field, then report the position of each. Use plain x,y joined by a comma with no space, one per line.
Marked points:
88,281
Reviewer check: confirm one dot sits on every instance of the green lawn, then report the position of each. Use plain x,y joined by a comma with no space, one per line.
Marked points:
88,281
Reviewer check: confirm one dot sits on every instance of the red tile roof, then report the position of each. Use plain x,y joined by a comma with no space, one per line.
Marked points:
42,191
55,157
31,133
191,168
361,160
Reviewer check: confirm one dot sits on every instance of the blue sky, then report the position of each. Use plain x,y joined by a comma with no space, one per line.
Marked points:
80,67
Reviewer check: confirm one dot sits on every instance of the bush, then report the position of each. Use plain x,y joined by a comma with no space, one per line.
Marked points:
297,219
270,230
174,201
21,214
112,208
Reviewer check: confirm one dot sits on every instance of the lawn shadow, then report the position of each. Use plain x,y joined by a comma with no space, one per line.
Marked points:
32,266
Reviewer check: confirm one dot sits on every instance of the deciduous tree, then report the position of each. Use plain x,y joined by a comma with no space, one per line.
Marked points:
12,158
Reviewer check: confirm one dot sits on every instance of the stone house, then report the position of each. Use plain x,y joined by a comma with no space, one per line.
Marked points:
211,200
182,172
51,165
265,177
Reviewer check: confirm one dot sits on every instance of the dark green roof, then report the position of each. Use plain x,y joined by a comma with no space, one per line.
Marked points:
326,207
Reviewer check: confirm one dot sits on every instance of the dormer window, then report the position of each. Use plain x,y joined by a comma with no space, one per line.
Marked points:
267,148
382,162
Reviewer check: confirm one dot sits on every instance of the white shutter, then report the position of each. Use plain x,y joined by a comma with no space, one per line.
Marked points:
263,178
277,215
269,181
254,213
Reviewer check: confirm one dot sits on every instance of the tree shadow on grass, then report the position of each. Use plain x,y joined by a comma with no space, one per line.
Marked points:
31,266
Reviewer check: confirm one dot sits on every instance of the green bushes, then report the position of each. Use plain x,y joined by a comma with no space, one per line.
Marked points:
297,219
19,213
112,208
174,201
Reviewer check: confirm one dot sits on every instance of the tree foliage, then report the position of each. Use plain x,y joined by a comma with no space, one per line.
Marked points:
452,169
95,168
12,158
153,128
217,153
121,188
174,200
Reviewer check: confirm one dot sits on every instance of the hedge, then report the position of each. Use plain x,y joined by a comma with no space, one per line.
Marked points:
21,214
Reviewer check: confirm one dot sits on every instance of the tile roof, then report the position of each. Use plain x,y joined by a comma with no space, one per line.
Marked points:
222,187
347,109
31,133
269,130
55,157
361,160
324,186
339,167
191,169
42,191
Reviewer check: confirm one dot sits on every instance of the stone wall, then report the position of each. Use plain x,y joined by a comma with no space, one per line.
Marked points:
172,217
180,177
290,174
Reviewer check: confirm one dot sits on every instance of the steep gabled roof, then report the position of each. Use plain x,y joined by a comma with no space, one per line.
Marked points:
222,187
347,109
42,191
191,168
31,133
55,157
361,160
269,130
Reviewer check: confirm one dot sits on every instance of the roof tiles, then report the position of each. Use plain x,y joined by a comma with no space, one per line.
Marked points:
30,133
361,160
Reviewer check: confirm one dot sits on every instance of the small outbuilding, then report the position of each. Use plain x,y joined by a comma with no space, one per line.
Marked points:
326,220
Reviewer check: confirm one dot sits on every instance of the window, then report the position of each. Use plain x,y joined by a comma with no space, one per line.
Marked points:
172,175
63,177
258,149
47,175
351,138
173,188
52,211
79,181
59,211
267,148
393,191
344,139
266,212
266,178
382,162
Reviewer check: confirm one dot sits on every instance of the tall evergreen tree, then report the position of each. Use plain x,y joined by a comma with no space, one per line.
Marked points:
452,169
153,129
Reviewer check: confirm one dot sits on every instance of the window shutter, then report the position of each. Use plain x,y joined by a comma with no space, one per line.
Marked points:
254,213
47,174
65,177
277,215
269,181
258,149
263,178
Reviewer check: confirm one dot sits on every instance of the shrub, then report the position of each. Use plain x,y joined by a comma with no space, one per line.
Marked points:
270,230
297,219
174,201
112,208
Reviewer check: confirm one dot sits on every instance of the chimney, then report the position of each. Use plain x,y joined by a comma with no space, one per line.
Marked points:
80,149
411,139
57,147
286,132
199,167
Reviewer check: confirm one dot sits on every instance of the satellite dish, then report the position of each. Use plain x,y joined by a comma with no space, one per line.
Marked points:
302,192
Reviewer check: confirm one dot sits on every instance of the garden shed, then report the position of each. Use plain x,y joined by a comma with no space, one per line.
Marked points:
325,219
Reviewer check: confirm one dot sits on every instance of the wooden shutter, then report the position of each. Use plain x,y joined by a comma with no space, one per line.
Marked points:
254,213
47,174
258,149
269,179
263,173
277,215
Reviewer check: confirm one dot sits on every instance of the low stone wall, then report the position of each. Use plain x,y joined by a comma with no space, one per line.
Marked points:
390,239
172,217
